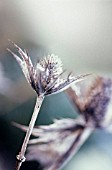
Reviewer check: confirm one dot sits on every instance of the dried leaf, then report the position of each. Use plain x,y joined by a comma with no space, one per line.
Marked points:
55,144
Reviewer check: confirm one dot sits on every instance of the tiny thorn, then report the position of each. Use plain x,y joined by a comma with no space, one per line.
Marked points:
69,76
26,52
10,51
14,44
11,41
89,74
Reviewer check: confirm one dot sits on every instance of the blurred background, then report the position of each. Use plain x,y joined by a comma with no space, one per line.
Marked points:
80,33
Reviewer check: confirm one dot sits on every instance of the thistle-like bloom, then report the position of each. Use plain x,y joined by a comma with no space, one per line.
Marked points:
45,78
55,144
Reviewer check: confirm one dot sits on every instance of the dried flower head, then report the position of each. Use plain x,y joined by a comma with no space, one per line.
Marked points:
96,103
55,144
52,65
46,78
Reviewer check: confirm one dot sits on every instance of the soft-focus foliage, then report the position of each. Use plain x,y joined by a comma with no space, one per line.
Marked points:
95,102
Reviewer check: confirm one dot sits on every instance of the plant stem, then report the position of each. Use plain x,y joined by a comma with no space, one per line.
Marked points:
21,157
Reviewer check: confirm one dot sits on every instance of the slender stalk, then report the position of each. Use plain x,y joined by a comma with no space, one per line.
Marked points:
21,157
78,142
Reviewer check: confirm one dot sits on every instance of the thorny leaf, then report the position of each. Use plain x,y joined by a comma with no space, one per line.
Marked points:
46,77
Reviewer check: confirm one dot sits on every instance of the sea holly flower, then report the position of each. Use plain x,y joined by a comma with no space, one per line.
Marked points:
46,77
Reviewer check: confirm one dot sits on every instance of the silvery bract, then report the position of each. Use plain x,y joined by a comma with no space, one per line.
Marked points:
45,78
